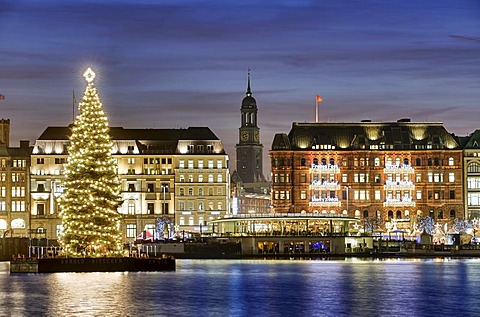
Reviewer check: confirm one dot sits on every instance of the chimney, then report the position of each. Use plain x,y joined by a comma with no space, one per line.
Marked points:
5,131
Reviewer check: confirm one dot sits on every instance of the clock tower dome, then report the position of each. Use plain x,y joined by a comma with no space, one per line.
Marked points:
249,150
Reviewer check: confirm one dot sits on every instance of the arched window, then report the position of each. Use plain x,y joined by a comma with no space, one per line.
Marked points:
3,224
315,161
332,161
357,213
436,161
324,161
389,161
452,214
390,214
406,161
418,161
200,191
451,161
190,191
131,208
407,214
397,161
429,162
398,214
210,178
365,214
219,178
440,214
182,191
473,167
377,161
18,223
303,162
190,221
432,214
200,206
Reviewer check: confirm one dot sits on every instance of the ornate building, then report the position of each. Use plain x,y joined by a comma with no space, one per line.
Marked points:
14,188
250,190
249,149
169,177
388,170
471,176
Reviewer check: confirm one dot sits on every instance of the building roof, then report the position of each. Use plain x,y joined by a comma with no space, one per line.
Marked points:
148,140
400,135
119,133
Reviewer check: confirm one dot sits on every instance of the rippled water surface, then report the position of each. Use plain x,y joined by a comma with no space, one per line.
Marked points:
253,288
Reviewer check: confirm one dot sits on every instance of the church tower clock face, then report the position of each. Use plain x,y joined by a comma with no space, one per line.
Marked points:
244,136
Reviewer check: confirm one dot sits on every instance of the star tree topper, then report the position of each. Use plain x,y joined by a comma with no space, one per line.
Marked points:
89,75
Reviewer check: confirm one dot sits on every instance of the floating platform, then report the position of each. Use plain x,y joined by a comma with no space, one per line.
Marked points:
121,264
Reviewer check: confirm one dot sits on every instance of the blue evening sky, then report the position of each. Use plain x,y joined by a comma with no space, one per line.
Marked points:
172,64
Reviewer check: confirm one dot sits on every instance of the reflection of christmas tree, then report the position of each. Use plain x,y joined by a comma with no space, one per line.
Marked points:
88,206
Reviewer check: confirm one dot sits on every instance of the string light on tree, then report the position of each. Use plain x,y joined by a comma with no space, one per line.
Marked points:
88,205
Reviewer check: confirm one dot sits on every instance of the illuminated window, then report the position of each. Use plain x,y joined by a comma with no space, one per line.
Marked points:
451,161
451,177
131,231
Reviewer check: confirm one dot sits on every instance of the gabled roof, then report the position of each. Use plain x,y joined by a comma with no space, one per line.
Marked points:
473,141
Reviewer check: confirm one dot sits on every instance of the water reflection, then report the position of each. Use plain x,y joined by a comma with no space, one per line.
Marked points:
353,287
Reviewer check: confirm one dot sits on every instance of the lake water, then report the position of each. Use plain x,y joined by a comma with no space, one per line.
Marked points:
350,287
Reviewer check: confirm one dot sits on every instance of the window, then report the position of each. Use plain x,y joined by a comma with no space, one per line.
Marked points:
181,164
131,187
390,214
200,164
303,194
474,167
130,160
182,191
418,177
41,209
418,161
130,148
378,195
344,178
200,191
150,208
39,161
210,178
440,214
398,214
190,205
190,191
182,178
376,162
219,164
451,177
190,164
219,205
452,194
210,163
150,187
201,206
419,194
451,161
3,206
200,178
190,148
209,148
219,178
60,160
200,148
190,178
131,230
303,162
182,221
181,206
131,208
452,214
365,214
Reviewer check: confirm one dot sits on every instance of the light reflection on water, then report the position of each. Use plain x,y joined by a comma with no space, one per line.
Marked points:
351,287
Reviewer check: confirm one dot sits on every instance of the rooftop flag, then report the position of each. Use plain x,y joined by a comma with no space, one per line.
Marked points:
2,97
319,99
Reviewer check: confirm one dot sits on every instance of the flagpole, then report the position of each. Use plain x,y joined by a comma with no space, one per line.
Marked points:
316,109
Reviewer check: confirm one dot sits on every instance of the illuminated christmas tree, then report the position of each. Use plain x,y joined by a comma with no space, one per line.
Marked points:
88,205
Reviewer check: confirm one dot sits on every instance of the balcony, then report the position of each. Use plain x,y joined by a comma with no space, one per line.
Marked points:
398,169
400,185
324,185
325,169
325,202
404,202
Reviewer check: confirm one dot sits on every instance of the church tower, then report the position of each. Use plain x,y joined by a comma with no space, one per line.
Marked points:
249,149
